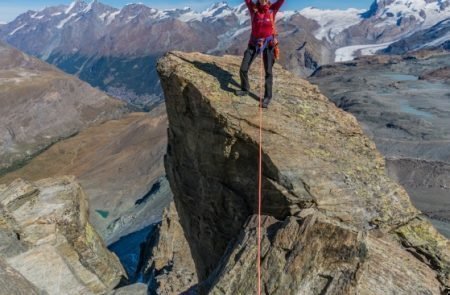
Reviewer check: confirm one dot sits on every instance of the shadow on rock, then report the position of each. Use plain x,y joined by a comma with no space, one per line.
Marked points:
224,77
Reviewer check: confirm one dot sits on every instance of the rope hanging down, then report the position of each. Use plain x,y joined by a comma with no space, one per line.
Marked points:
260,174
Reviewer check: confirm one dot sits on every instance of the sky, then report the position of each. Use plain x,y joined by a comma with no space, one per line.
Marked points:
10,9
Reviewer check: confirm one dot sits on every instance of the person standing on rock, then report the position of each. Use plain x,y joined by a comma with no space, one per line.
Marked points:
262,41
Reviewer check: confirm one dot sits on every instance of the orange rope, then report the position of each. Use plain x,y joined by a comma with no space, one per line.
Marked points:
260,174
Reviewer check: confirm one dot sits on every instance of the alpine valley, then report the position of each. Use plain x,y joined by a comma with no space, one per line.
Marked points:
128,165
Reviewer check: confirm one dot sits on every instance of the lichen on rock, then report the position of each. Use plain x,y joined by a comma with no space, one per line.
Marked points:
335,216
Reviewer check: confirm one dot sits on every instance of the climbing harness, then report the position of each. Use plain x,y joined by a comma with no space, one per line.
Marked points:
263,43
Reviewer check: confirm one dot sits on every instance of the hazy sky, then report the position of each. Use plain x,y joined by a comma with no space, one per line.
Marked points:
9,9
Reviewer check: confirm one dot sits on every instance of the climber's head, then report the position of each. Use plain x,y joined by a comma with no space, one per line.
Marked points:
263,2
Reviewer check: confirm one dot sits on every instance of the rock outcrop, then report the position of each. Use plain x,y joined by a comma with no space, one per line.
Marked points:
135,289
47,239
166,261
13,282
334,222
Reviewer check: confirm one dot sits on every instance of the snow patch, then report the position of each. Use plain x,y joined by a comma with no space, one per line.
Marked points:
131,17
349,52
17,29
89,7
241,13
286,15
332,22
71,6
215,12
226,39
190,16
111,17
427,13
64,21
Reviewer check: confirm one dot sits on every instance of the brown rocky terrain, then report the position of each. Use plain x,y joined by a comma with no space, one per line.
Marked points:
166,263
119,164
47,238
335,223
41,105
403,104
440,74
428,184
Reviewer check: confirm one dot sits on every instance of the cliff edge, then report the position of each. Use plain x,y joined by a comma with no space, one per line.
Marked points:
334,222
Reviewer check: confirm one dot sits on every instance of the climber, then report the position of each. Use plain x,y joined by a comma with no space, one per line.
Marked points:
262,41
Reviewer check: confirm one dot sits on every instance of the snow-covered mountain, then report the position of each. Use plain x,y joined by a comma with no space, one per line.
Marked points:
393,12
332,22
107,46
386,22
86,27
435,37
93,40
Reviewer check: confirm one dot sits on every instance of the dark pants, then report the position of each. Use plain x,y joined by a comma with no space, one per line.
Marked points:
269,59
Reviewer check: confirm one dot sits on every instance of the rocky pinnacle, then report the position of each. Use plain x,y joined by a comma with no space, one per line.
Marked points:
334,223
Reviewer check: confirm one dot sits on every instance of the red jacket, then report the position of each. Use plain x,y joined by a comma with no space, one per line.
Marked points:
261,18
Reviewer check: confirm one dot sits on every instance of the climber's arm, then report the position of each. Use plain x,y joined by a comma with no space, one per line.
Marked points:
276,6
250,5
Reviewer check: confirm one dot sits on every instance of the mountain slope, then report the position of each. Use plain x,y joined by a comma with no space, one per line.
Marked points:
119,164
436,37
116,49
34,96
403,104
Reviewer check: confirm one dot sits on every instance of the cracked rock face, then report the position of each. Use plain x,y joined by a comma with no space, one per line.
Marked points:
13,282
50,242
166,262
335,216
315,255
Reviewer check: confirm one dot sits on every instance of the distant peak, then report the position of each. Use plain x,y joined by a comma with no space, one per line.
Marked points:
218,5
76,5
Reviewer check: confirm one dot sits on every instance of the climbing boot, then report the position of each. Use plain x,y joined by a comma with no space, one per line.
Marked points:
265,103
241,92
